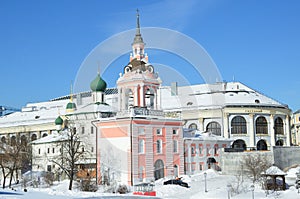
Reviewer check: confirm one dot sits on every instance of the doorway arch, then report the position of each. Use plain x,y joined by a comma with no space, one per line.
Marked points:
279,142
239,144
261,145
159,169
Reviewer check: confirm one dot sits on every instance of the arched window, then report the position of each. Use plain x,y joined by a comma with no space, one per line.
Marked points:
261,125
278,126
193,126
13,141
158,146
23,140
214,127
33,137
149,98
141,146
3,140
129,101
45,134
262,145
238,125
239,144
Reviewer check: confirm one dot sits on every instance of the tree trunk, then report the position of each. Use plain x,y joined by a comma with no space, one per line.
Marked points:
4,180
11,177
71,182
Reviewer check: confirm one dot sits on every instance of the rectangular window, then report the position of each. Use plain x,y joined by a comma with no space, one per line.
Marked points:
158,131
141,130
92,130
82,130
216,151
49,168
207,151
158,146
175,146
141,146
48,150
200,167
39,151
193,166
82,149
175,131
92,149
53,150
200,150
192,150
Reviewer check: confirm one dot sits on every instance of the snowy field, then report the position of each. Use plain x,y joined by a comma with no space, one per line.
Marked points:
216,188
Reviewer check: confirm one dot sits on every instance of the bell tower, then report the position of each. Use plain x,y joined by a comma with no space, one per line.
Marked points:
138,84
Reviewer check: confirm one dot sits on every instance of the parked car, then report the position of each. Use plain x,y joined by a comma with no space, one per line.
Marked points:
177,182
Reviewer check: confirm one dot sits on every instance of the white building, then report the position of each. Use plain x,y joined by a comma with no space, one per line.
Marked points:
231,110
202,151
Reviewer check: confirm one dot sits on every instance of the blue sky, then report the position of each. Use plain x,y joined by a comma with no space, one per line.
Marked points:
43,43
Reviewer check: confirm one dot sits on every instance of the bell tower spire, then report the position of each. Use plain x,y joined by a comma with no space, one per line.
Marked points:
138,43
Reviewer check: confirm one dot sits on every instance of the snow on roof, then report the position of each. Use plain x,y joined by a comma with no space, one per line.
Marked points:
54,137
274,170
35,113
92,107
203,136
215,95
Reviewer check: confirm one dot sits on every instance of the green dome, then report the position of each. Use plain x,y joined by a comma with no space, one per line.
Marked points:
71,105
59,121
98,84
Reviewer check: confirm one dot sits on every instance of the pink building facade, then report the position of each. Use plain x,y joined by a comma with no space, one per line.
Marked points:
140,144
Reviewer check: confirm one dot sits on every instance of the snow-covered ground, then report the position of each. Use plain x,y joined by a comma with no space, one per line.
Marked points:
216,188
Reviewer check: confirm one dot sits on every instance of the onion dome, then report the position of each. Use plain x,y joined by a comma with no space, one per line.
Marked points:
59,121
71,106
98,84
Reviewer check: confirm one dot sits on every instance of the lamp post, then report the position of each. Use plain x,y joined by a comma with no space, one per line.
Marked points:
205,185
252,189
228,190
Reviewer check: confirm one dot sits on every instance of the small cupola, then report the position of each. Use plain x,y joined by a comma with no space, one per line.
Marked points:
59,123
98,84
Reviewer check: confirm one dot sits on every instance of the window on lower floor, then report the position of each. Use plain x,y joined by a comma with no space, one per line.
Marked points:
49,168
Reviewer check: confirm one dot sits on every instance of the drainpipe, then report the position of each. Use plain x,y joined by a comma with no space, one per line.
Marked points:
96,133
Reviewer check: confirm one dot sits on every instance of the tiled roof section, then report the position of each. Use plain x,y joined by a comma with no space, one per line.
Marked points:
108,91
111,91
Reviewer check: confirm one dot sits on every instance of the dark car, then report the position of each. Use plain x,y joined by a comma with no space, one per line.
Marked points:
176,182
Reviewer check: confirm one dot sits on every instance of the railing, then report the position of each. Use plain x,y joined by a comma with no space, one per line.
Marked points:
141,111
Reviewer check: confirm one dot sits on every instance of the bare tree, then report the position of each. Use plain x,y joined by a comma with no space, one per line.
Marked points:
13,159
255,164
5,166
71,152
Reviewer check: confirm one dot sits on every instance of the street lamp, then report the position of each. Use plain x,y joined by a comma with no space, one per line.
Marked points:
252,189
228,190
205,174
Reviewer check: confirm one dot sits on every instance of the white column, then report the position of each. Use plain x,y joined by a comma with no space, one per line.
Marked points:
272,132
225,125
201,124
251,132
136,96
287,131
142,96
